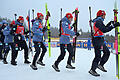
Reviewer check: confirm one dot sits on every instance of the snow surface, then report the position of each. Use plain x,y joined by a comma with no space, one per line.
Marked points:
83,63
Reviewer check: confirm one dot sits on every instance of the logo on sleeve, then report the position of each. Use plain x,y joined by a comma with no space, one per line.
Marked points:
66,23
5,28
37,23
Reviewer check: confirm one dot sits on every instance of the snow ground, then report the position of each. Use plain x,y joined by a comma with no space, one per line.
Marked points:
83,63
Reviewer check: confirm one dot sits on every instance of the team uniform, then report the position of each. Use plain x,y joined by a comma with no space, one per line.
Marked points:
38,32
98,42
1,40
9,42
65,43
19,39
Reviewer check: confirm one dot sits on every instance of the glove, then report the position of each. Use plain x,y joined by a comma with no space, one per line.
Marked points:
12,32
77,34
110,23
116,24
73,25
2,30
44,29
19,36
32,20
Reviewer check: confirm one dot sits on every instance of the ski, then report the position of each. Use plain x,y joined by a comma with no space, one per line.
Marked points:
117,39
33,13
30,39
60,22
75,30
90,23
32,16
47,24
15,16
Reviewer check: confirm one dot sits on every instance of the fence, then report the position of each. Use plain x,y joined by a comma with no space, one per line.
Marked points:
80,44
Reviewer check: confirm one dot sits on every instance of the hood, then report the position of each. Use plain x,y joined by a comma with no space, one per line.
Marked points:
66,19
39,20
98,18
1,23
18,23
4,22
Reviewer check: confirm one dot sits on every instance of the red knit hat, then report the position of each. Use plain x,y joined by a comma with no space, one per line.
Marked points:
39,14
13,22
20,18
69,15
101,13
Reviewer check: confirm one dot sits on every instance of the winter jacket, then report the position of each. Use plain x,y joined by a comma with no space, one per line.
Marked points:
1,34
9,38
38,31
98,41
65,39
15,28
100,28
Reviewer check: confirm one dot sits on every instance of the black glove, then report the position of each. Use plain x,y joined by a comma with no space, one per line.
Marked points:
110,23
2,30
12,32
116,24
44,29
73,24
77,34
19,36
32,20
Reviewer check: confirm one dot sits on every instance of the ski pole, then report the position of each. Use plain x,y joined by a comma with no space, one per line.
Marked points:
33,13
15,16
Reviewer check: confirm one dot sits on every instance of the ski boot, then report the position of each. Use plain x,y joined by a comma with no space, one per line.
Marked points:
5,62
70,66
102,68
41,63
1,59
94,73
55,68
14,63
34,67
27,62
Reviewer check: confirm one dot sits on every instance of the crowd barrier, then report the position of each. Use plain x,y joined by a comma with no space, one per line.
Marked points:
80,44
